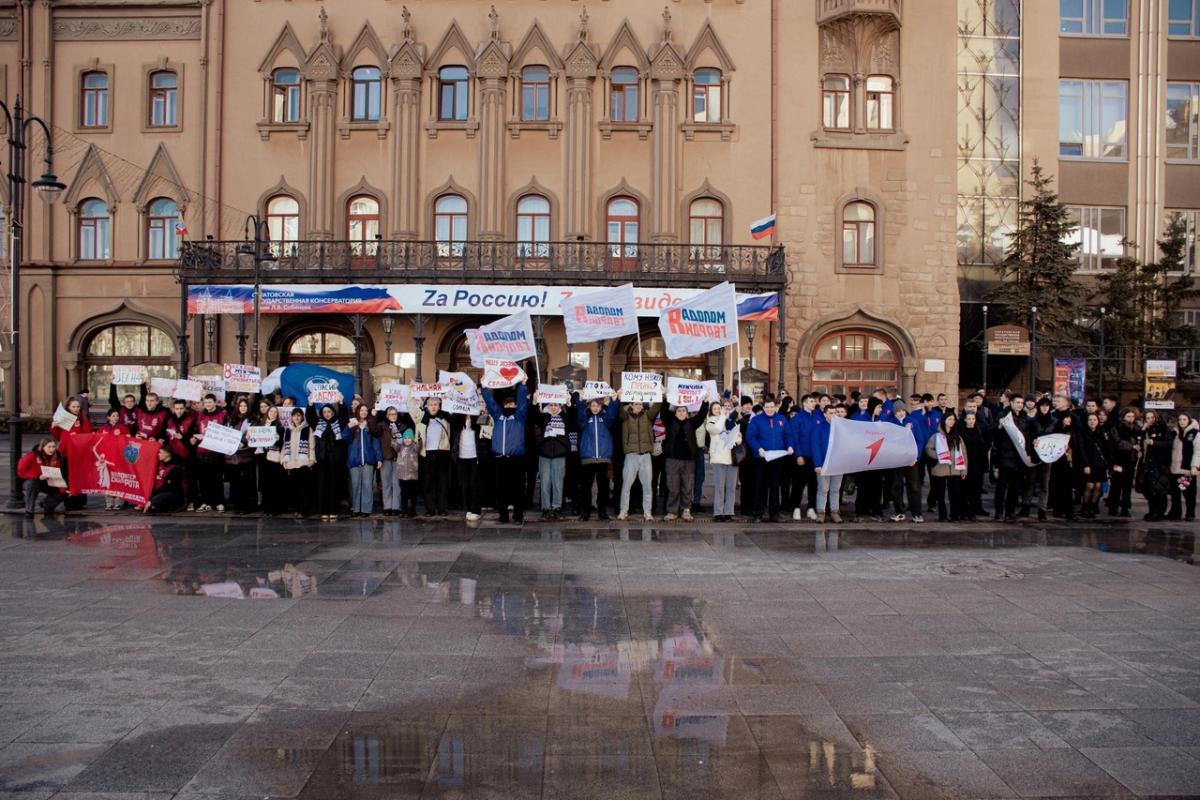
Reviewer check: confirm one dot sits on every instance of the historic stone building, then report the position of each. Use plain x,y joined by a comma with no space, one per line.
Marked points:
449,147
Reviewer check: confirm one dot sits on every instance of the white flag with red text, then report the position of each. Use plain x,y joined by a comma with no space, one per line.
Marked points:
857,446
702,323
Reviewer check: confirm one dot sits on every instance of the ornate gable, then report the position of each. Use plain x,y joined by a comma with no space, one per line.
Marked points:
323,62
91,172
453,40
407,61
580,60
285,42
535,41
707,41
624,40
161,179
366,42
666,63
492,59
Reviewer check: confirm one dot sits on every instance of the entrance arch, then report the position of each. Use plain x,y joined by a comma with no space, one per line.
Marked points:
859,350
654,359
325,339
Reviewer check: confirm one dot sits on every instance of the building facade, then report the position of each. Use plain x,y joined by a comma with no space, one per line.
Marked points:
453,148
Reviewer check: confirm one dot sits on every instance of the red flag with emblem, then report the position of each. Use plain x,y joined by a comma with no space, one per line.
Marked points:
118,466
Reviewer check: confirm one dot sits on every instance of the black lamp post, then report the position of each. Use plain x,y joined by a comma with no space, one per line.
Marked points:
1033,349
985,348
49,187
1103,313
751,330
262,256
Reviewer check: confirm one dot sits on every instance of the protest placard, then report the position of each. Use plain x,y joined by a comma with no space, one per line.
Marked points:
221,439
214,385
454,403
285,416
324,397
682,392
641,387
261,436
188,390
595,390
53,476
552,393
63,418
393,395
499,373
243,378
128,375
163,387
419,391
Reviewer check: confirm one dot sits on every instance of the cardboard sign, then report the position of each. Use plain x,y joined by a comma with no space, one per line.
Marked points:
214,385
163,387
128,375
419,391
285,416
54,477
457,404
63,418
189,390
681,392
243,378
393,395
595,390
1051,447
641,387
261,436
221,439
499,373
324,397
553,393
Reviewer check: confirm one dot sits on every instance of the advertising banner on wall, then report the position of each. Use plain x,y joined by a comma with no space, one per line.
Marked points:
1070,377
394,298
1160,384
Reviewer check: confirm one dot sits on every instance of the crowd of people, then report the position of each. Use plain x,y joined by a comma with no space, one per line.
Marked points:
587,458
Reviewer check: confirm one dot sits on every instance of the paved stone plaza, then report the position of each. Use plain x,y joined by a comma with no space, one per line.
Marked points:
382,659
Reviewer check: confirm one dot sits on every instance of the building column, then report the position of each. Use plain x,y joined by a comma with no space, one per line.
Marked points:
406,108
322,103
664,160
578,167
491,157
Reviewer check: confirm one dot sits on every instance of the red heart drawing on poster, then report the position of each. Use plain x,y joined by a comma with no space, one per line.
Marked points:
509,373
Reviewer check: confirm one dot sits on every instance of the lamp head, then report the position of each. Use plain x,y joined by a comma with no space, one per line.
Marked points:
49,187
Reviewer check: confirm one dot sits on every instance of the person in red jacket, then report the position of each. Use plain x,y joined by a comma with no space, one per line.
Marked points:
150,418
126,406
113,427
82,424
180,428
210,466
29,470
168,493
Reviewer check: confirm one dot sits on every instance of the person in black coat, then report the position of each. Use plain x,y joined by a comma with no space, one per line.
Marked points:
977,449
330,430
1010,466
1154,473
1092,467
1126,446
1063,471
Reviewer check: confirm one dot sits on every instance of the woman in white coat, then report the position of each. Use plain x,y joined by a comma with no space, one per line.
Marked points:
723,435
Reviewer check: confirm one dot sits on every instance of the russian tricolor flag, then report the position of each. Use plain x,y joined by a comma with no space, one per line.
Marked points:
763,227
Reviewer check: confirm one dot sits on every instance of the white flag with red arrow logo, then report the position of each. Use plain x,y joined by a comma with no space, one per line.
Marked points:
856,446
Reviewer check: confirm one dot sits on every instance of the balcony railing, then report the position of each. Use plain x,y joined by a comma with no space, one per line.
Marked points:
327,261
830,10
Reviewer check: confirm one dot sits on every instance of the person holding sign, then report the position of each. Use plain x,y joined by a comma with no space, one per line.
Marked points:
167,494
508,450
680,446
70,418
435,430
242,467
595,453
363,457
41,472
272,480
389,429
298,455
553,447
767,435
1011,459
947,452
724,434
126,406
178,433
637,440
330,433
1062,471
210,465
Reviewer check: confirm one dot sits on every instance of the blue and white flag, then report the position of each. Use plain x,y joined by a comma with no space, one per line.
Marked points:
706,322
596,316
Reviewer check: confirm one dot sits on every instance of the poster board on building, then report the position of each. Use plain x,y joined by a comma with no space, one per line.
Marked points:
1007,340
1160,384
1070,377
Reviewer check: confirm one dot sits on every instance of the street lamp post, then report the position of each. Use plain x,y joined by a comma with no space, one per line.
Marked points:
985,348
1033,349
388,323
751,329
1103,312
255,250
49,187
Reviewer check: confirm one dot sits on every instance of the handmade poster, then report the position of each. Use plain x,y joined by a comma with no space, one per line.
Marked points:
1051,447
552,393
214,385
243,378
324,397
419,391
221,439
53,476
772,455
63,418
706,322
460,387
128,375
500,373
595,390
393,395
261,436
285,416
163,387
682,392
641,387
455,403
189,390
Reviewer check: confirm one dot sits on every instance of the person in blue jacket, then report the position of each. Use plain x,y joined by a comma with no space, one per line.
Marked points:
924,421
829,487
364,455
767,432
508,450
797,439
595,453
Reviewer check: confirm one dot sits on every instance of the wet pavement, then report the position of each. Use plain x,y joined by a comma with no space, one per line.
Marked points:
207,659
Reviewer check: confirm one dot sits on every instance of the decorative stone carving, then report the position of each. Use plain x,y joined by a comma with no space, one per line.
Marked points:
120,28
8,29
492,62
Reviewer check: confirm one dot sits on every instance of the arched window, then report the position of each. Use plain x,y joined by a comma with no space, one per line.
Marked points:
127,343
362,225
535,93
365,94
94,100
835,102
327,348
706,218
283,224
706,95
858,235
450,225
624,103
654,359
162,241
623,219
855,360
881,94
533,226
95,230
452,94
285,95
164,99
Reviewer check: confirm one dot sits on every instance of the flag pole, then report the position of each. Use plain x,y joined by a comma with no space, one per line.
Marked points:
639,340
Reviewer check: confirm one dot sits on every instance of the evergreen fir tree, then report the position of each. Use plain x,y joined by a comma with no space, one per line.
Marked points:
1039,268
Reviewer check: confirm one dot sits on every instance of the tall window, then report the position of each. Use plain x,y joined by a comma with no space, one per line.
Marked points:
1191,221
858,235
450,225
365,92
1100,236
835,101
1092,119
283,224
94,100
533,226
706,221
127,343
1183,121
95,230
881,97
162,241
452,93
362,225
285,95
624,105
535,93
1094,17
845,362
1191,358
164,99
1183,18
623,221
706,95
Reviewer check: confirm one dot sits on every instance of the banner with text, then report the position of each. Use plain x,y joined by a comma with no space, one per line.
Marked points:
596,316
243,378
641,387
706,322
499,373
118,466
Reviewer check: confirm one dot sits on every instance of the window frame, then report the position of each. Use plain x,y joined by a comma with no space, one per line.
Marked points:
443,84
452,245
890,94
286,91
95,101
1192,23
828,94
706,250
1094,263
710,92
622,253
541,93
371,91
100,227
157,365
1192,103
169,97
627,91
1092,96
860,226
847,385
166,225
1095,13
277,225
533,245
366,243
1192,249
